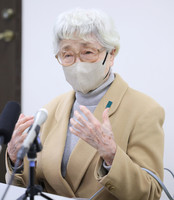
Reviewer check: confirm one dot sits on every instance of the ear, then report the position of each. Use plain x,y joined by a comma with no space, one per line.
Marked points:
112,56
113,52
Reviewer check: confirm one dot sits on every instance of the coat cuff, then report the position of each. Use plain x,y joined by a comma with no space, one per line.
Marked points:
108,178
18,181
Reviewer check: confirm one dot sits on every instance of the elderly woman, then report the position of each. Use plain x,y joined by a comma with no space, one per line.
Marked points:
103,132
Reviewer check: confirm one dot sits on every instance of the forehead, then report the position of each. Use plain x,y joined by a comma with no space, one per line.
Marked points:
77,44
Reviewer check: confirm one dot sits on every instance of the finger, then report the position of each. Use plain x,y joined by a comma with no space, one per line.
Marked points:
22,138
88,139
20,116
80,118
93,126
78,134
87,113
75,132
105,115
76,125
17,141
86,126
22,127
23,119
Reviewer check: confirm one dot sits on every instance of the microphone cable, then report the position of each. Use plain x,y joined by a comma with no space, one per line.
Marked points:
169,171
97,193
160,182
11,179
154,176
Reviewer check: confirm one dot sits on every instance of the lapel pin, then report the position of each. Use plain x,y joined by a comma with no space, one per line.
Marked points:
109,104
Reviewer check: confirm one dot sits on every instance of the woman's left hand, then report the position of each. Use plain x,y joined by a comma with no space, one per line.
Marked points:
98,135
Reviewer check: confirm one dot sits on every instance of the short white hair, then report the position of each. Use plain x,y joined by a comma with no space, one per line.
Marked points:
84,23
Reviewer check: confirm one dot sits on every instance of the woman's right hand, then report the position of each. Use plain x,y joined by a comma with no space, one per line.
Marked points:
18,136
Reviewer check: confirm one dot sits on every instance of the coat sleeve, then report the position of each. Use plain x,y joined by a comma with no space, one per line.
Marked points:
18,177
126,179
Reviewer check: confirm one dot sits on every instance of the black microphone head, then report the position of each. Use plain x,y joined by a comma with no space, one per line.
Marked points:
8,119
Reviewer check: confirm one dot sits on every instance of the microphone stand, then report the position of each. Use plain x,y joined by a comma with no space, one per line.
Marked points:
33,190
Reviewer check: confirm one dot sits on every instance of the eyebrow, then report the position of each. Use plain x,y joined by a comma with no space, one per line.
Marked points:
66,47
86,44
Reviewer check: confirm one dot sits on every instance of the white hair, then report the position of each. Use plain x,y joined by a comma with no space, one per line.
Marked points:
83,23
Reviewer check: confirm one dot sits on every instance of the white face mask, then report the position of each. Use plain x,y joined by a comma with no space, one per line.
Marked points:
84,77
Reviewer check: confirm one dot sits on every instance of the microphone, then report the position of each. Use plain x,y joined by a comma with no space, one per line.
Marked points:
39,119
8,119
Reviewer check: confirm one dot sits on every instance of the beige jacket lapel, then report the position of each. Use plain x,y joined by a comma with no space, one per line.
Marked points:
54,148
83,153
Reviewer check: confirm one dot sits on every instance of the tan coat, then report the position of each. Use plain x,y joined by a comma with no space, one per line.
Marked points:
137,126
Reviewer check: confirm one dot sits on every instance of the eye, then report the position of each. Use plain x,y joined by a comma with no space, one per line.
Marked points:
67,55
88,52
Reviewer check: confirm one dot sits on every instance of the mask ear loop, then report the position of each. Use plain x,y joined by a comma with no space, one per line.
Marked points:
104,63
105,58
